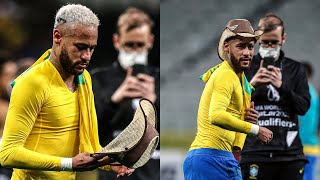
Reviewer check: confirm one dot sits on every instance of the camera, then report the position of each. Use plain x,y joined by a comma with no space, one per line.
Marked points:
268,61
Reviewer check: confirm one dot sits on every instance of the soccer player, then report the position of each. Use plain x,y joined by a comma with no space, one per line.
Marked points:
224,105
51,123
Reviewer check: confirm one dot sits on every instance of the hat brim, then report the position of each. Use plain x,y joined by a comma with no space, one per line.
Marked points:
228,33
140,138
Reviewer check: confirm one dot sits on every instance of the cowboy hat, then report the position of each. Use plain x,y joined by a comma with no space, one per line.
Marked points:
237,27
134,146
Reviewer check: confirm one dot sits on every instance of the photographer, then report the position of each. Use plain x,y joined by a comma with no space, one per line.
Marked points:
281,94
119,87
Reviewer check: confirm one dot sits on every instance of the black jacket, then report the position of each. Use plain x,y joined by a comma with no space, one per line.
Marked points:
278,111
113,118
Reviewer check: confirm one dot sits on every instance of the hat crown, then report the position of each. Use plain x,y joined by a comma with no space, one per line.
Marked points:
240,26
237,27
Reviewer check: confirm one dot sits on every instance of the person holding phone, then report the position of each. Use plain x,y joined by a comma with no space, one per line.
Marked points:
119,87
281,94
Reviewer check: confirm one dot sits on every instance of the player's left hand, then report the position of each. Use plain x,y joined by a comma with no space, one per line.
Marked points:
122,170
105,160
251,115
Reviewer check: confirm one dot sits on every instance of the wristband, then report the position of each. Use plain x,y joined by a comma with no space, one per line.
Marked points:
66,164
254,129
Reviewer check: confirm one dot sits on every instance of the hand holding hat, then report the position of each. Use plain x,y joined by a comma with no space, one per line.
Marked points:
134,146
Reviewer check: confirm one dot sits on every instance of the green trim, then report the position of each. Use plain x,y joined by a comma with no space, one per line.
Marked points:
247,87
80,79
47,57
13,83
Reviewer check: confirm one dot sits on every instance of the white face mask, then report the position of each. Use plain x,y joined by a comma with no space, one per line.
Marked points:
128,59
270,52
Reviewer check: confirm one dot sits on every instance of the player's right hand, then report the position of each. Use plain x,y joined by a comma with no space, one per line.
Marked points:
251,115
84,162
265,135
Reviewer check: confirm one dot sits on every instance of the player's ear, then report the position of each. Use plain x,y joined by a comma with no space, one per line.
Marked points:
57,36
226,47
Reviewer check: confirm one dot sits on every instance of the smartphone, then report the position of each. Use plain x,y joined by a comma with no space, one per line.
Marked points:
268,61
138,68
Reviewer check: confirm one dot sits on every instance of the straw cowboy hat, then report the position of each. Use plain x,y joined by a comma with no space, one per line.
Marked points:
134,146
237,27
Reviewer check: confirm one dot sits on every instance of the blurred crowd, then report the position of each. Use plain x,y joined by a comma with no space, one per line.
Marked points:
9,70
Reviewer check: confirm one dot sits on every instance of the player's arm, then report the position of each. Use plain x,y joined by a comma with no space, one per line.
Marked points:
220,99
26,100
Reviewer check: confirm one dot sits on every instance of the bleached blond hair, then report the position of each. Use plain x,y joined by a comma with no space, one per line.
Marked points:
71,14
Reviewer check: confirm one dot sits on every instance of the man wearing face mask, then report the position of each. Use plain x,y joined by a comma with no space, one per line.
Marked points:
119,87
281,94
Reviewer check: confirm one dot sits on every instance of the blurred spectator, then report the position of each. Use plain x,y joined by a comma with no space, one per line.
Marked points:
24,64
119,87
12,35
281,94
308,129
8,71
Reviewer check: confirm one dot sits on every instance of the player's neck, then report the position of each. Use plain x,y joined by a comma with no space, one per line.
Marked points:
236,70
66,77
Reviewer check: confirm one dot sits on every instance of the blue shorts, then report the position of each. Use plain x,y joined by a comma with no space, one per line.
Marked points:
207,163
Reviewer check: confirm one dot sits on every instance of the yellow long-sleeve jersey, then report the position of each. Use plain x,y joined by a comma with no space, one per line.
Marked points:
42,125
220,110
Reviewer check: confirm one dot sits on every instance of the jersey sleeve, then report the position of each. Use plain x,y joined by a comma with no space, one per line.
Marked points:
27,98
223,87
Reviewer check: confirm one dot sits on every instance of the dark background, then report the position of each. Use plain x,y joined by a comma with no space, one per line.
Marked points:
26,27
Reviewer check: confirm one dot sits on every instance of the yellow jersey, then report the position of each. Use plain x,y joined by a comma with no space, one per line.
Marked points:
42,125
220,111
